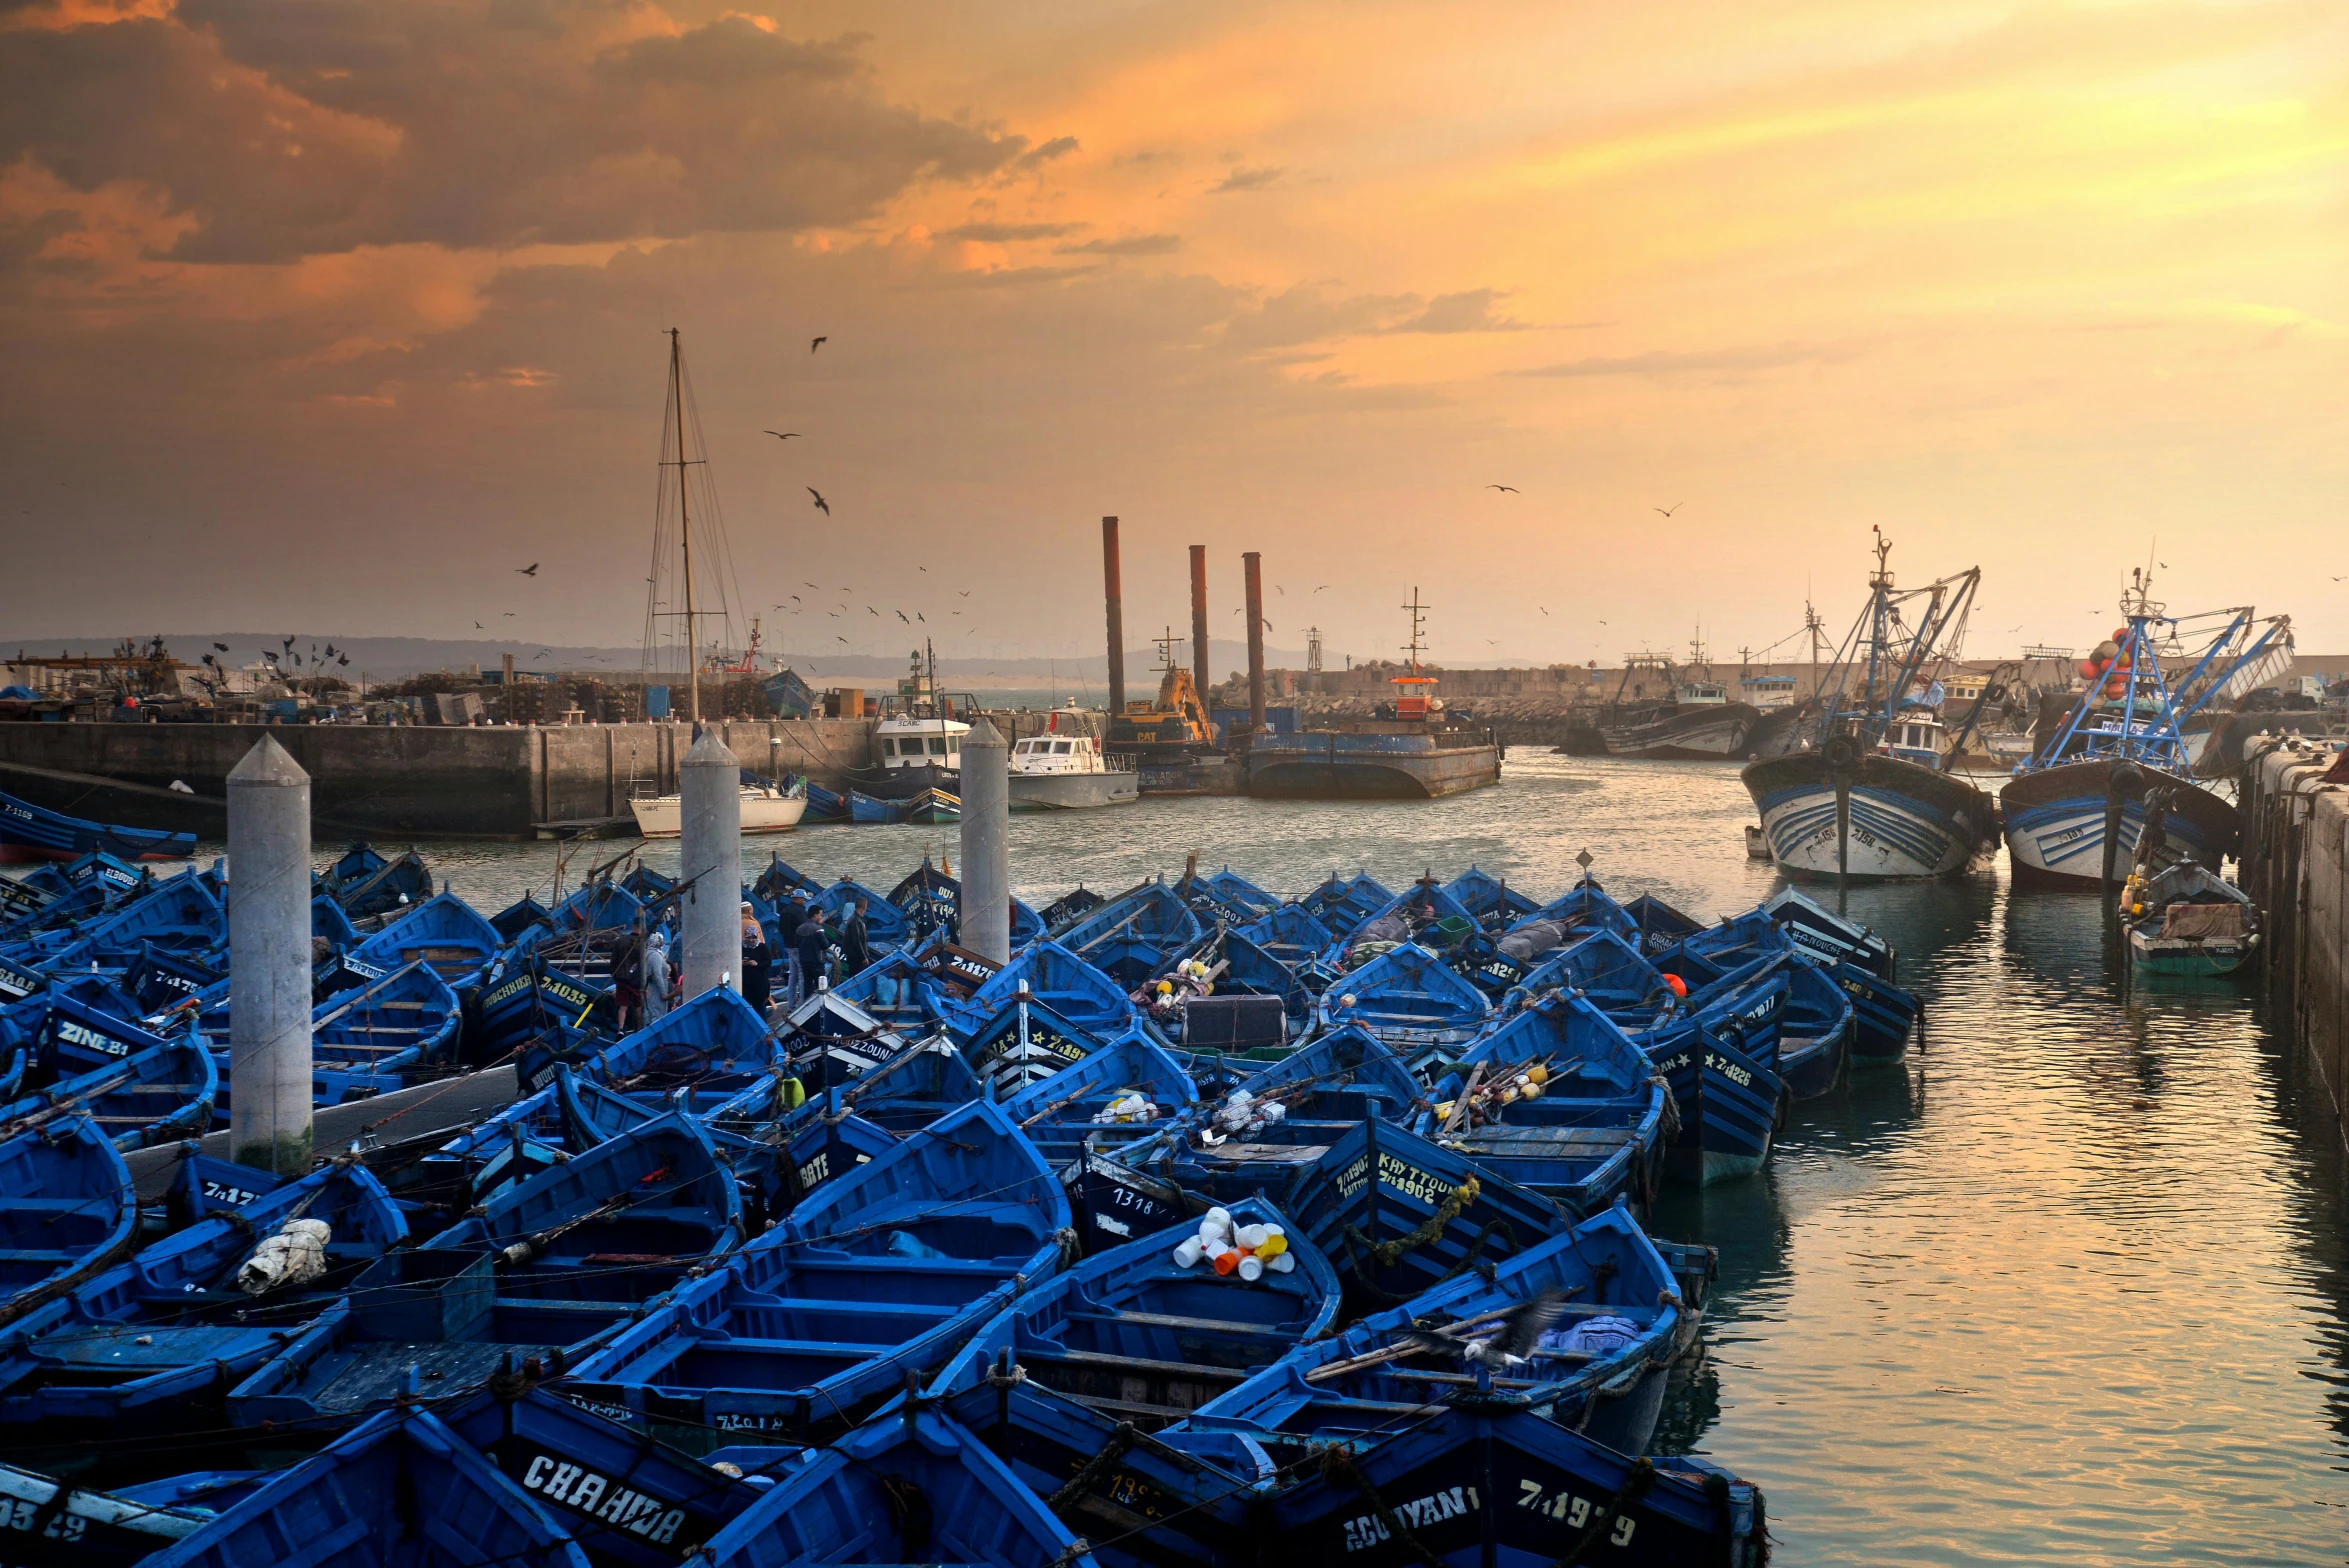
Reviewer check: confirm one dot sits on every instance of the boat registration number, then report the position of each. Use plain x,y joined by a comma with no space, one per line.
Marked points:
1729,1070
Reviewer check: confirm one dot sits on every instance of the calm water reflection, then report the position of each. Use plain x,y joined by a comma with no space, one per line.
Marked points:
2067,1288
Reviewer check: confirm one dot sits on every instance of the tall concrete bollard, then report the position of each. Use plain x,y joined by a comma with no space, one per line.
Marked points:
269,960
986,842
710,943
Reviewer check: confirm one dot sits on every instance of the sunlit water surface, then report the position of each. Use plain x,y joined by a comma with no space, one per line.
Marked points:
2068,1288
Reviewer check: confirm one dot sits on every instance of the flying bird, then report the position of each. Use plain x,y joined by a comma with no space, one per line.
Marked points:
1545,609
345,659
807,585
901,616
822,505
477,626
1668,511
965,592
287,644
1283,592
1512,489
817,344
782,435
528,571
840,639
1324,588
919,616
1511,1344
509,615
869,610
223,647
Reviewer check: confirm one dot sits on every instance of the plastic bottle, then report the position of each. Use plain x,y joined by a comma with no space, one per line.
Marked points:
1248,1237
1215,1223
1275,1243
1190,1252
1226,1259
1282,1263
1251,1268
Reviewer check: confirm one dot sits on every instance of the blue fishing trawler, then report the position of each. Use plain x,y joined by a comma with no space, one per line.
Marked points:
1848,803
67,1210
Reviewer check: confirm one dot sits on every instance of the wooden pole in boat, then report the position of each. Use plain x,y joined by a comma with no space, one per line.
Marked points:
2119,781
685,530
1199,620
1113,591
270,1123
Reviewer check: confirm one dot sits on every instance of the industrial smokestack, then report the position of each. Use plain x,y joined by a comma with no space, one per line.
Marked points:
1255,564
1199,618
1114,592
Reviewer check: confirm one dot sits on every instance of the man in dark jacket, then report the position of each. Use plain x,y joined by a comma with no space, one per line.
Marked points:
856,950
811,939
756,962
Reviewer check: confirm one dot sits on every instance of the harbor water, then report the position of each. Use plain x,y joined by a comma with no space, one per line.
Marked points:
2069,1287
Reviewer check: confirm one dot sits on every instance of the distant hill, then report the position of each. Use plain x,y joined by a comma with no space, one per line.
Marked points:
395,658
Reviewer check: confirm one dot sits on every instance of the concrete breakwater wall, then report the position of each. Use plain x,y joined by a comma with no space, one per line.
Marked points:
2295,863
421,781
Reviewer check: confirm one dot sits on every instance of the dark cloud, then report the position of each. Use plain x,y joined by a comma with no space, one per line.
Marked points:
1305,314
1130,245
291,127
1245,179
1058,147
1702,362
1008,233
1469,311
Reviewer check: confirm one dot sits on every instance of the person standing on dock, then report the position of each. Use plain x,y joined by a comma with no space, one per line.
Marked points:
756,961
856,948
655,971
811,939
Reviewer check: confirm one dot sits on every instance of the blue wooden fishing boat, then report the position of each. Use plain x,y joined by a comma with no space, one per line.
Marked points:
364,884
620,1222
1342,903
1660,925
1495,905
1071,907
1609,972
1367,1201
824,805
330,924
1232,896
882,1272
1025,1043
1136,937
832,1040
545,981
1243,968
1061,1113
66,1211
1828,936
546,1269
868,809
624,1500
364,1044
1591,1129
1492,1485
444,932
512,1145
1049,973
86,1528
1410,999
1147,1503
67,1035
1239,1145
886,926
158,1095
180,914
519,916
715,1045
1731,1097
911,1088
29,833
910,1488
157,1339
592,1114
1290,934
1137,1333
400,1490
897,992
1607,1361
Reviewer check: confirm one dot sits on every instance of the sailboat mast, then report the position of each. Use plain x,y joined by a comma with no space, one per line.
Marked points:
685,528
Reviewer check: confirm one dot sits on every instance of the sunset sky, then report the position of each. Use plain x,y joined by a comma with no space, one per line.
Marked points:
329,313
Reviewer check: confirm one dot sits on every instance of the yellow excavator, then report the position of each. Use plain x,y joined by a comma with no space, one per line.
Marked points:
1174,724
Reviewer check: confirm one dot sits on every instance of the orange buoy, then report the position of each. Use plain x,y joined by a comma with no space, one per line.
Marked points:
1678,985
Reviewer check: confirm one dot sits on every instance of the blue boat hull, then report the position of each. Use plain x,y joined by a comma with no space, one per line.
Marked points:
1906,820
31,833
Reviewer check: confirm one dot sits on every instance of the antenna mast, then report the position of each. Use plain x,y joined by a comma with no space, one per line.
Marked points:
1418,618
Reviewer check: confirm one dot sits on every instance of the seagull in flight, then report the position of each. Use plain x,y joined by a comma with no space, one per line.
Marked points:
1545,609
1510,1344
477,626
965,592
1668,510
901,616
817,344
1512,489
528,571
782,435
822,505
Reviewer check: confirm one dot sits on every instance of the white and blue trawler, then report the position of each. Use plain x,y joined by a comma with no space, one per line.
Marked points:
2125,738
1868,793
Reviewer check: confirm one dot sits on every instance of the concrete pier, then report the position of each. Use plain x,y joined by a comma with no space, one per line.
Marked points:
986,842
2295,864
269,961
1253,563
710,858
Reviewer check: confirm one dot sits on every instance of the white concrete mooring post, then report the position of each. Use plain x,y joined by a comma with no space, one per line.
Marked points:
269,961
986,842
709,781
